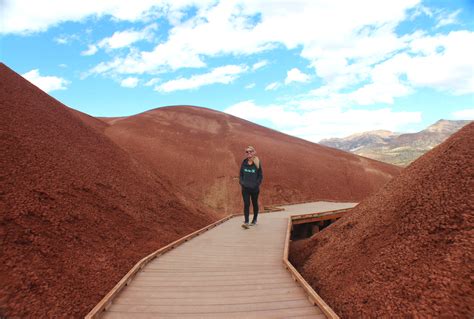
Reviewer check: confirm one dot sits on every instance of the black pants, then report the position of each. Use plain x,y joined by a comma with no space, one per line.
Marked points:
247,194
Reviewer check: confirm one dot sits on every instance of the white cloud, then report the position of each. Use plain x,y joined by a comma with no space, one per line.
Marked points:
129,82
325,122
272,86
444,62
419,10
337,122
275,114
447,18
250,86
66,38
466,114
224,74
152,82
385,83
259,65
91,50
295,75
46,83
24,16
122,39
441,62
125,38
61,40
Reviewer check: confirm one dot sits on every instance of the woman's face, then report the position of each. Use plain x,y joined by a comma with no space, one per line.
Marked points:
249,153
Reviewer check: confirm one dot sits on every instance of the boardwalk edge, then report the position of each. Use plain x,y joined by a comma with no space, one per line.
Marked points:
312,295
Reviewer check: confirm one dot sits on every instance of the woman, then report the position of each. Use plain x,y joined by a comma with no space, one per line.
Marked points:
250,179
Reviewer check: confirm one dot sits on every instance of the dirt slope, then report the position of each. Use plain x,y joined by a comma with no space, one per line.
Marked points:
408,250
200,150
76,211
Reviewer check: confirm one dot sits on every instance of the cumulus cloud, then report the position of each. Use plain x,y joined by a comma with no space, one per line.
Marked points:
129,82
24,16
447,18
325,122
250,86
443,62
91,50
466,114
272,86
122,39
152,82
66,38
259,64
295,75
46,83
224,74
385,84
440,62
275,114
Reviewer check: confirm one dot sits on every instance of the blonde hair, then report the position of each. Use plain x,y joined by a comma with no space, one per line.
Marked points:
255,159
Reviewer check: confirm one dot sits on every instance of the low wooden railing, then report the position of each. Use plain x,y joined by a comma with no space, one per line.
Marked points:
301,219
314,217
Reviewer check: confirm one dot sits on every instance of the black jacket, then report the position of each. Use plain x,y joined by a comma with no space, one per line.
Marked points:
250,176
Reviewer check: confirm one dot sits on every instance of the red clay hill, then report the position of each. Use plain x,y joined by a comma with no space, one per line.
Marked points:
201,150
77,211
407,251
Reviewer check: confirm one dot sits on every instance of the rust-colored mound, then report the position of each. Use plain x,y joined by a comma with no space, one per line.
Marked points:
201,150
77,212
406,251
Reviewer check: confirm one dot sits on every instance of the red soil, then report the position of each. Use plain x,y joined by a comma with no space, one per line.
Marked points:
77,211
207,147
406,251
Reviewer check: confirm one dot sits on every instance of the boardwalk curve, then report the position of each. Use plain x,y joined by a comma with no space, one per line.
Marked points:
226,272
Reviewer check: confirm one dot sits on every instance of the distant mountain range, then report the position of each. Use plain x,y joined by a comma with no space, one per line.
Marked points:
396,148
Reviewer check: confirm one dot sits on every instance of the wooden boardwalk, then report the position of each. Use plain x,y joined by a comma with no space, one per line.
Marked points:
226,272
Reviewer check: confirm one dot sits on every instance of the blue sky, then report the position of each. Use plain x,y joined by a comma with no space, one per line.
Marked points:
313,69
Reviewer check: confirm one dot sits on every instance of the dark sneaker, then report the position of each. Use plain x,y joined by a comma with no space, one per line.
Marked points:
253,224
245,225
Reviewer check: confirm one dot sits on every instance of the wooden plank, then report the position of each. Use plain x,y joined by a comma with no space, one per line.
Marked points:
222,272
208,277
216,299
195,309
242,314
200,295
220,283
248,287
